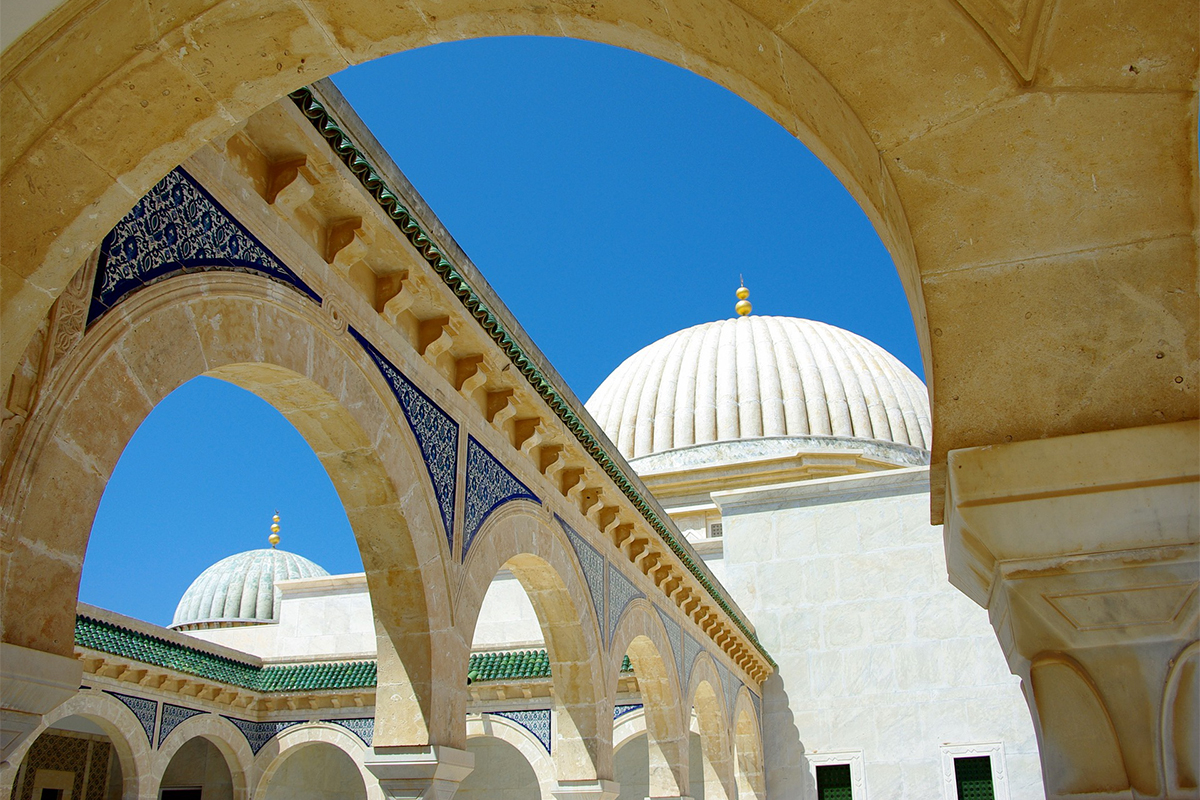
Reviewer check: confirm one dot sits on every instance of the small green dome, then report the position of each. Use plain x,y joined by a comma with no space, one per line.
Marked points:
240,589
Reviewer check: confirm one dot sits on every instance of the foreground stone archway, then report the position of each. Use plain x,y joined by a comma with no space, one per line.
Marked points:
240,329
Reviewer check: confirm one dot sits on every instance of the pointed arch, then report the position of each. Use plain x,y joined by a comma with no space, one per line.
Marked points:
707,706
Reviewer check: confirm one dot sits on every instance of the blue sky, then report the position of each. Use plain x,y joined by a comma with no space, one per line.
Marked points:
610,199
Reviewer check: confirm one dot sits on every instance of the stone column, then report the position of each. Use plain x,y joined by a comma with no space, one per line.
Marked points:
1086,552
432,772
587,790
32,683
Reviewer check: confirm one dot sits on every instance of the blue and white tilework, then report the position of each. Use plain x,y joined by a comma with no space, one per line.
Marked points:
621,710
145,710
259,733
178,227
489,486
436,433
592,564
362,727
621,592
172,716
673,633
730,684
536,721
757,701
691,649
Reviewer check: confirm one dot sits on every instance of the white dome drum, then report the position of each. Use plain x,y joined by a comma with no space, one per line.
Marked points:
240,589
756,377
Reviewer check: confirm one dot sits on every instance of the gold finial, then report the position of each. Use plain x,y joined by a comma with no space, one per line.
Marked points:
274,537
743,305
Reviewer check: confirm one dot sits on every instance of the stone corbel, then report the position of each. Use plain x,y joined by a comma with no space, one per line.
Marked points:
431,772
470,372
394,294
550,460
346,243
290,183
34,683
434,337
527,433
501,407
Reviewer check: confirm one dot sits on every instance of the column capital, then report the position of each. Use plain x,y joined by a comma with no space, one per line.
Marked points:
429,772
587,790
33,683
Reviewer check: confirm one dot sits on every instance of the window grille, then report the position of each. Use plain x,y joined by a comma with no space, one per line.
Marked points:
714,531
973,778
833,782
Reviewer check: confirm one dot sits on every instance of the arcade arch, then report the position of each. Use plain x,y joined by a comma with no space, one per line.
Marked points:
711,721
236,328
313,770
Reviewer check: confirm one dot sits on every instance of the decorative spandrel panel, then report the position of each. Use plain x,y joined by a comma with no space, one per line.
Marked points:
489,486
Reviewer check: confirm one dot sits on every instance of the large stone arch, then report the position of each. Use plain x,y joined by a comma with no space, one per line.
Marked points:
707,703
504,729
221,734
522,538
641,634
118,723
246,330
1180,710
292,741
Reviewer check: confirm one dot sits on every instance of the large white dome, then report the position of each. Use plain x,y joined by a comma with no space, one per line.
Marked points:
240,589
758,376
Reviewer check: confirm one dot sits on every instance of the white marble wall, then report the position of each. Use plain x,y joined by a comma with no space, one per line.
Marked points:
501,773
507,620
845,581
317,771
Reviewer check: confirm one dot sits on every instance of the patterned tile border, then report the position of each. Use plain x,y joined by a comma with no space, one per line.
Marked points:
621,710
691,651
389,203
436,433
592,564
536,721
179,227
362,727
259,733
145,710
489,486
621,592
673,634
172,717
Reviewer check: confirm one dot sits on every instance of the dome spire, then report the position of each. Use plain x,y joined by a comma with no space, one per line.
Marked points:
274,537
743,305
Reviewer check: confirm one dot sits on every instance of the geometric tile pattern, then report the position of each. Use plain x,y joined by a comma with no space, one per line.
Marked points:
691,649
621,592
592,564
51,751
98,771
362,727
145,710
178,227
489,486
622,710
259,733
436,433
172,716
731,685
673,633
536,721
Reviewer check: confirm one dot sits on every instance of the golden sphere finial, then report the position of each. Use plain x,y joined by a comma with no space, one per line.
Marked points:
743,305
274,537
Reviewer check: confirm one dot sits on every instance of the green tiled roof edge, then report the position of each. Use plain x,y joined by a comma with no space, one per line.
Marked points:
106,637
369,177
109,638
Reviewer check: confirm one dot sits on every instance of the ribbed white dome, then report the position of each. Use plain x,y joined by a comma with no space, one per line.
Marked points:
759,376
241,589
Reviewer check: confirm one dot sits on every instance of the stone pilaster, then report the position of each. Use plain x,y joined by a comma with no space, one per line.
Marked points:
420,773
1086,552
32,683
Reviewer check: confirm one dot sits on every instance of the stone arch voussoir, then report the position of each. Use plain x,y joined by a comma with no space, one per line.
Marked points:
223,735
291,741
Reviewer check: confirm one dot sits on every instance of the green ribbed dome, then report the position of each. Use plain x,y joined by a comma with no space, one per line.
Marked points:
241,589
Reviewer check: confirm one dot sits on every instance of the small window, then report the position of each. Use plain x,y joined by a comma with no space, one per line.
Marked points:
182,793
833,782
973,778
51,794
714,530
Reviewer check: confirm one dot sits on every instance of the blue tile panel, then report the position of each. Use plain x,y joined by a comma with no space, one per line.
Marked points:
436,433
489,486
621,710
592,564
731,684
178,227
172,717
259,733
362,727
691,650
673,634
145,710
536,721
621,592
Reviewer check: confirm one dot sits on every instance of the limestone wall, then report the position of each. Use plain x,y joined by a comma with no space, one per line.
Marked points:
501,773
507,619
845,581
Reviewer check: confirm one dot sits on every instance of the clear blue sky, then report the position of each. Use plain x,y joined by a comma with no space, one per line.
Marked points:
610,199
